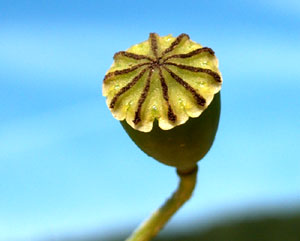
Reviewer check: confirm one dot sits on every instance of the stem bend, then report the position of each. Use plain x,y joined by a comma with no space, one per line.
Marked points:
150,227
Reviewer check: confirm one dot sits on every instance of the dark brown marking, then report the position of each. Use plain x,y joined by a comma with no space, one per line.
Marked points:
191,54
176,42
171,116
123,71
137,117
199,99
153,41
215,75
126,88
132,55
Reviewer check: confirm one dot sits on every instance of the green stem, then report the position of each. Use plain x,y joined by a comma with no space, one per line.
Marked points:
159,218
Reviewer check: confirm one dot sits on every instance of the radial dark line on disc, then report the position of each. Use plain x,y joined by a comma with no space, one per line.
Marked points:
215,75
175,43
171,116
191,54
137,116
123,71
126,88
132,55
199,99
153,41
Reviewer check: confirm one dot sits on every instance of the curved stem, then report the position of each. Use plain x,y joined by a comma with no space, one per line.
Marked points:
160,217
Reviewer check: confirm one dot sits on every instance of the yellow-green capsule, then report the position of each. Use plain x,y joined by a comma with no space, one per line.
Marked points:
165,93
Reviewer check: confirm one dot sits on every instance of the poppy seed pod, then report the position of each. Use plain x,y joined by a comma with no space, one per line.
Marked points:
165,92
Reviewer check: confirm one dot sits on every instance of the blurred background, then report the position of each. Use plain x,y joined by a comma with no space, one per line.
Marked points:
68,169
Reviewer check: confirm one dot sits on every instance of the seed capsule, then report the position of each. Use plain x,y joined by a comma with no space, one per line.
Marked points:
154,88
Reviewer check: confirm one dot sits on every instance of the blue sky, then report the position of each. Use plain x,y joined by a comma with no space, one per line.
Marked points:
66,166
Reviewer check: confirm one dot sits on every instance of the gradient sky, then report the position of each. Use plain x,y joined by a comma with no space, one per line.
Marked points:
66,166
